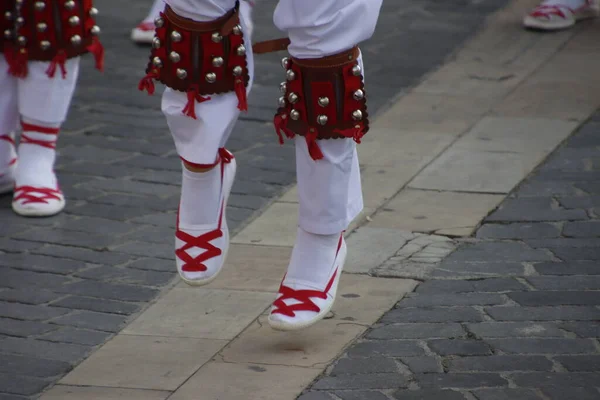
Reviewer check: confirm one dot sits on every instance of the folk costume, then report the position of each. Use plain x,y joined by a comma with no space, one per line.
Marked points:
203,54
41,42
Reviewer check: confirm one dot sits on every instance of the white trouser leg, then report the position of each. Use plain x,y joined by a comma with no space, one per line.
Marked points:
47,100
329,189
198,140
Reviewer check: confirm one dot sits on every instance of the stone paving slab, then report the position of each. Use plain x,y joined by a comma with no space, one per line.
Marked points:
498,318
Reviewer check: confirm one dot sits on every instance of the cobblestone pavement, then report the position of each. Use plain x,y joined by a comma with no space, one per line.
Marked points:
511,315
68,283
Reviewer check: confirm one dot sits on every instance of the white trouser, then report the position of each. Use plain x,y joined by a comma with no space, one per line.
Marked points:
329,189
37,99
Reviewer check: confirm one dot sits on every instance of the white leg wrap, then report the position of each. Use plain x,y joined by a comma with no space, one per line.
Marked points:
47,99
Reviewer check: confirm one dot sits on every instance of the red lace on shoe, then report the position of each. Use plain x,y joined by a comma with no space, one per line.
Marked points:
33,194
303,296
547,10
196,264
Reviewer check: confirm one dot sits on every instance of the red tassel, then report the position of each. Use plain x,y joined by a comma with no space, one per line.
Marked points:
59,60
147,82
17,62
97,50
193,96
280,121
357,132
240,91
313,147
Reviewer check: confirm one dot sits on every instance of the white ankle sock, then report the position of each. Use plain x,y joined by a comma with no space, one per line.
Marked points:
573,4
200,195
312,261
36,161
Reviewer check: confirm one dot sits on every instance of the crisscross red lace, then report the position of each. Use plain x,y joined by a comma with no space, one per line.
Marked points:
547,10
303,296
32,194
196,264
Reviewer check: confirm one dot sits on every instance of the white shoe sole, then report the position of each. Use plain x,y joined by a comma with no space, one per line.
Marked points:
560,24
287,326
26,211
203,282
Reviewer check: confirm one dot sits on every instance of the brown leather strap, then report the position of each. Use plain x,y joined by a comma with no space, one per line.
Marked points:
335,60
270,46
228,21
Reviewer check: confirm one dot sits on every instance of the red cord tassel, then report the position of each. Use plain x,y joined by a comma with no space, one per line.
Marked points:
313,147
193,96
280,121
147,82
356,132
17,62
59,60
240,91
97,50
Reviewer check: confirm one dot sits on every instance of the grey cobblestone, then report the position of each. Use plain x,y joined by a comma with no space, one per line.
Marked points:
543,346
459,347
42,349
428,395
361,395
29,312
19,384
565,282
110,291
496,363
557,298
460,380
506,394
6,396
371,365
367,381
422,364
416,331
71,335
15,327
556,380
518,231
388,348
30,366
437,314
570,268
28,296
315,396
566,313
95,304
126,275
463,299
515,329
572,393
92,320
587,363
462,286
583,329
